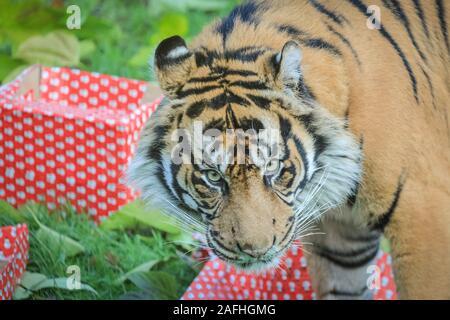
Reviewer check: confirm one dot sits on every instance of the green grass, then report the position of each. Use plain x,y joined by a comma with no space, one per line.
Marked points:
108,255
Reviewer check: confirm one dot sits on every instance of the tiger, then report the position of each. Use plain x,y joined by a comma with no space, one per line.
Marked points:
359,93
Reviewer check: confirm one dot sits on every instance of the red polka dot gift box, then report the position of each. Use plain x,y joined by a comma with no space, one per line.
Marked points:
13,257
67,136
219,281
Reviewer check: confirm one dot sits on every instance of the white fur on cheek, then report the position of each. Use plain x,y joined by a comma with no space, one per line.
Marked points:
190,201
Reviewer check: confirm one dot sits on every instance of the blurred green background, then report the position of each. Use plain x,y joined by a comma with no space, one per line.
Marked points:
135,253
116,37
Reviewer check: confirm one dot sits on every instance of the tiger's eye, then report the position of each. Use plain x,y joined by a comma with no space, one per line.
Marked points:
272,166
213,176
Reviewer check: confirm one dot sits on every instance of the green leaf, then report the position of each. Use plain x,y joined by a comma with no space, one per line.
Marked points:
145,267
183,239
86,48
61,283
57,242
385,245
27,283
14,73
95,28
31,210
170,24
119,221
157,285
207,5
135,211
11,212
7,64
58,48
141,57
32,282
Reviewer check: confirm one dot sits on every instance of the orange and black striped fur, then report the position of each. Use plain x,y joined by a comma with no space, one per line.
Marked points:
363,119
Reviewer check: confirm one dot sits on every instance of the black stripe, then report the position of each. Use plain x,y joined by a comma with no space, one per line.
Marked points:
303,90
350,259
244,73
196,109
231,120
302,152
225,98
395,7
162,180
363,9
386,217
430,85
245,12
291,30
252,85
154,151
309,91
314,43
222,74
339,19
261,102
174,169
205,57
421,16
317,43
320,142
251,124
357,293
219,254
286,133
215,103
205,79
292,170
245,54
288,232
346,42
179,119
350,253
442,21
218,124
351,200
196,91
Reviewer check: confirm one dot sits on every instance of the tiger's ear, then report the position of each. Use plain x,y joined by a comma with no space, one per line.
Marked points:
287,65
173,64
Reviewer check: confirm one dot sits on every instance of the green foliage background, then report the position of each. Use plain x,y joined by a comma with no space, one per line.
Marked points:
116,37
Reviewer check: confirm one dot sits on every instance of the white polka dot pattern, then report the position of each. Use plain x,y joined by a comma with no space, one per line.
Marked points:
219,281
74,143
14,249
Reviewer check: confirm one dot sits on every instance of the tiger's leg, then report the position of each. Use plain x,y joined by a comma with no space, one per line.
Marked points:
338,260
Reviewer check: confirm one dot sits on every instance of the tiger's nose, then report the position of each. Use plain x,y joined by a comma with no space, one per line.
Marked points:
253,250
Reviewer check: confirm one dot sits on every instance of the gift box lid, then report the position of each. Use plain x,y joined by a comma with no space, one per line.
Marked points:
73,93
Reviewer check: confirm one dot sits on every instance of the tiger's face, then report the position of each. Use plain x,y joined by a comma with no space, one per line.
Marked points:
252,194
